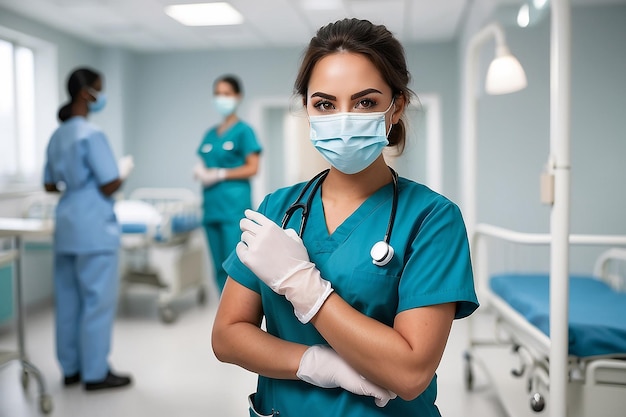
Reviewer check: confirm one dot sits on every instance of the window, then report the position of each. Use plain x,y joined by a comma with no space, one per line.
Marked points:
28,101
17,111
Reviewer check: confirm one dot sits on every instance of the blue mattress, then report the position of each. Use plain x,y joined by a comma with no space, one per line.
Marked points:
179,224
597,313
134,228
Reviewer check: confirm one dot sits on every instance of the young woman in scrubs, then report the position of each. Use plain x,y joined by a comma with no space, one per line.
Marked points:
346,336
229,154
80,165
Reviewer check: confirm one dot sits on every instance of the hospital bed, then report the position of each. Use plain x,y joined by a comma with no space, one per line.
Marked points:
518,302
160,242
161,246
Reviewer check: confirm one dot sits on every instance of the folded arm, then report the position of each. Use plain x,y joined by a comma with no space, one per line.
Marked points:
237,337
402,358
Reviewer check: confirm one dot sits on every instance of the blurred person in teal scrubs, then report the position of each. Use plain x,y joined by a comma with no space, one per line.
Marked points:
81,166
335,321
229,154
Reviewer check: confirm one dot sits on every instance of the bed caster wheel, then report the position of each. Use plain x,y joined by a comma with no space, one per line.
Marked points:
469,374
537,403
167,315
201,296
45,404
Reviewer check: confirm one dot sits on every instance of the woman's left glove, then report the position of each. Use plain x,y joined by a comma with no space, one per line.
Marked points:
279,259
322,366
208,176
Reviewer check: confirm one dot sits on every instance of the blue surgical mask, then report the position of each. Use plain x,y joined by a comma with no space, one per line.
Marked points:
225,105
350,141
101,100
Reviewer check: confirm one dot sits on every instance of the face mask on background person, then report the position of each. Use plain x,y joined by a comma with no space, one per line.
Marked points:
101,100
350,141
225,105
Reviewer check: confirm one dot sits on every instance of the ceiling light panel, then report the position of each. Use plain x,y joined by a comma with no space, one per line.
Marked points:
205,14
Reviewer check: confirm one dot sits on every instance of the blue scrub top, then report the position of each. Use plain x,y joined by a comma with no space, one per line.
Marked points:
431,265
227,200
80,158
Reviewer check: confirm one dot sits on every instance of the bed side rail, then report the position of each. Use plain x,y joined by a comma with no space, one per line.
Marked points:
179,204
602,268
484,231
163,194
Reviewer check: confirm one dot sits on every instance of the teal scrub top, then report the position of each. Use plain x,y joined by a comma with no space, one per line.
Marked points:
227,200
80,159
431,265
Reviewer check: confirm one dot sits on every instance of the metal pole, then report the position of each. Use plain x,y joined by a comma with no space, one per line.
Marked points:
469,142
17,279
560,56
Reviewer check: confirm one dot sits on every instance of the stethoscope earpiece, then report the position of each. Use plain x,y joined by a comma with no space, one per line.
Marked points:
381,253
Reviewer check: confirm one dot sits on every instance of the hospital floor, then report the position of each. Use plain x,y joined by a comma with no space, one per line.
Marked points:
175,372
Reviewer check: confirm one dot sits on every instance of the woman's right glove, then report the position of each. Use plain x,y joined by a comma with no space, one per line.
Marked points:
323,367
280,259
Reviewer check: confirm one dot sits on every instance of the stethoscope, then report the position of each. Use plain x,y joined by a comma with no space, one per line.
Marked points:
381,252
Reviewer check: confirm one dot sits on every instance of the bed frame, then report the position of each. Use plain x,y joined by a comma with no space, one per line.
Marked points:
170,260
596,386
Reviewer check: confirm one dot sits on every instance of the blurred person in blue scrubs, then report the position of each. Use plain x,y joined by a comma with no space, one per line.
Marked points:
354,326
81,166
229,154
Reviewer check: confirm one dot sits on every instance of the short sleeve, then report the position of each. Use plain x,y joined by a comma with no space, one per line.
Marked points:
439,268
238,271
100,158
249,142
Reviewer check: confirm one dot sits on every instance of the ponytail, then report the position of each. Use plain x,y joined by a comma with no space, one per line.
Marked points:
65,112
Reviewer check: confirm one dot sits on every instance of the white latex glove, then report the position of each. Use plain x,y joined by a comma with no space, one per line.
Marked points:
279,259
208,176
323,367
125,165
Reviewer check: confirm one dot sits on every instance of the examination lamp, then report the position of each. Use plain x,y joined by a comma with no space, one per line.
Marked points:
505,75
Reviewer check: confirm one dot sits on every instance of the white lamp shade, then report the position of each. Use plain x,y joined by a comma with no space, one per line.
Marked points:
505,75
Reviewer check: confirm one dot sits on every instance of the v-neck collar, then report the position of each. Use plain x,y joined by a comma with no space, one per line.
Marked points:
344,230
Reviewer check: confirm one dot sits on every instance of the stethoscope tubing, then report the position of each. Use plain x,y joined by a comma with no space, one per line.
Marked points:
316,182
306,207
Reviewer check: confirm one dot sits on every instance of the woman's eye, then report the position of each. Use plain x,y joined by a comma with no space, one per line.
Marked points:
365,104
323,105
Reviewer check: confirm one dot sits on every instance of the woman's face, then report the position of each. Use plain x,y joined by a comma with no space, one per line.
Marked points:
349,82
223,88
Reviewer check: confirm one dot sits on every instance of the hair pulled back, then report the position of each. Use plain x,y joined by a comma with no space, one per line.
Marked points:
232,80
376,43
78,79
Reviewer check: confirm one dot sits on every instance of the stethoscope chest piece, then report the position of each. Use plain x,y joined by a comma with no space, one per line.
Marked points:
381,253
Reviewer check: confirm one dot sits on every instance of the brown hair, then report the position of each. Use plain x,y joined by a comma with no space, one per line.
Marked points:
375,42
233,80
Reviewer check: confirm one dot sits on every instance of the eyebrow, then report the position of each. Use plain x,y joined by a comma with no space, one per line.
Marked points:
364,93
323,95
352,97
